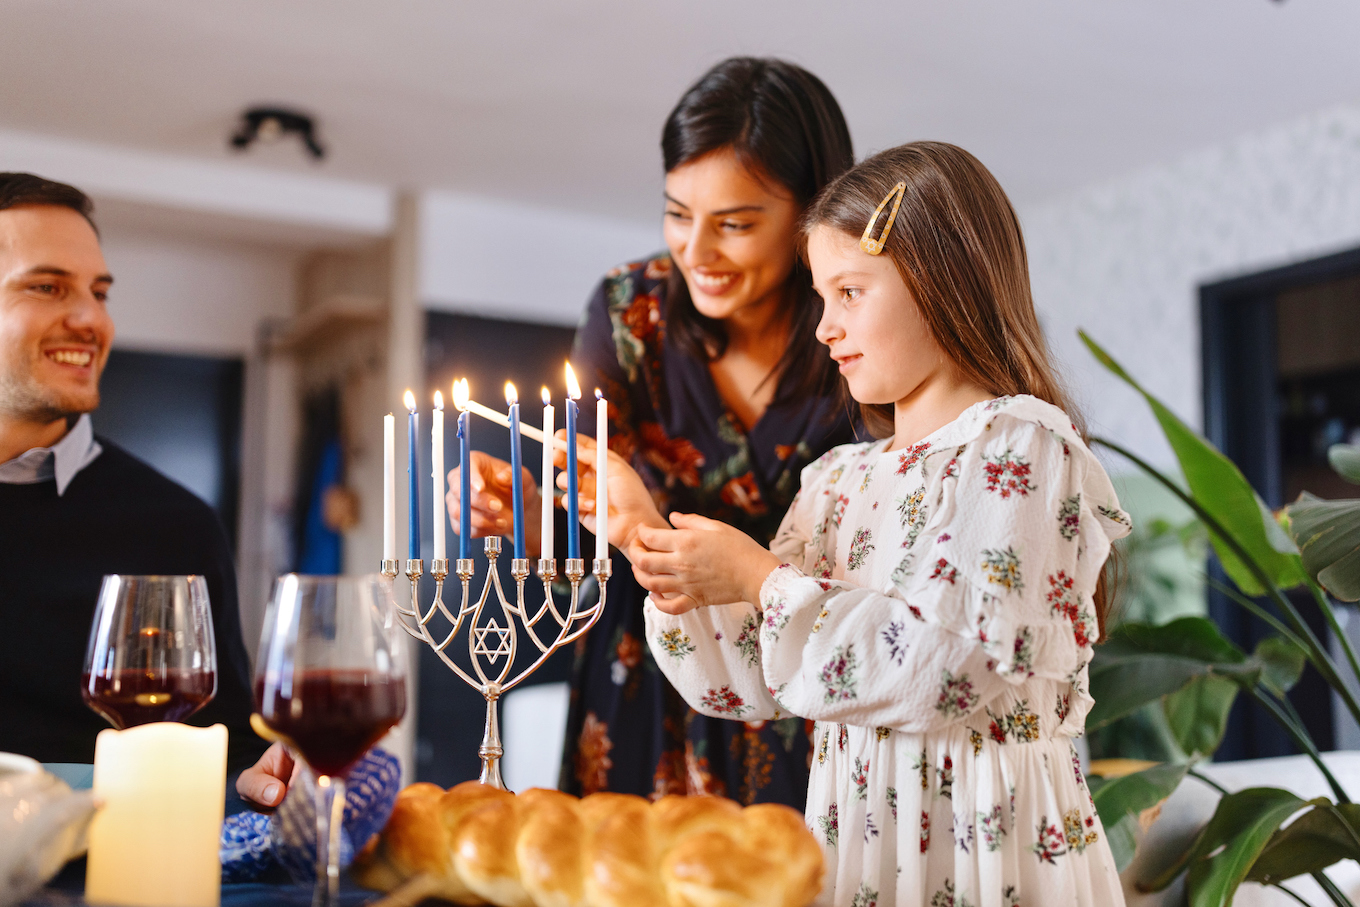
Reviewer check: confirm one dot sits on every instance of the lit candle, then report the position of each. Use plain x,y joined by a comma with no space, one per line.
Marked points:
155,840
437,459
601,475
546,548
516,468
413,513
573,505
389,488
460,400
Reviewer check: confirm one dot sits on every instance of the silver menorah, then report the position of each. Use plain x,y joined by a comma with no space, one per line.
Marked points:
488,642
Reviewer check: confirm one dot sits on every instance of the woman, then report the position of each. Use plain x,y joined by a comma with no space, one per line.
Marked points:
719,397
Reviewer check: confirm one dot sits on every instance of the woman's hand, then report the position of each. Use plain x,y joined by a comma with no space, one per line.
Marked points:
702,561
492,504
630,503
265,784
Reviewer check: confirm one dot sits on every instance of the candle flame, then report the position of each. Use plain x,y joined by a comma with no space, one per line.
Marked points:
573,389
547,398
439,401
410,402
460,394
511,395
599,394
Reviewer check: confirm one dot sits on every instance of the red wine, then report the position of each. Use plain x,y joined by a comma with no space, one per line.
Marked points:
132,696
333,717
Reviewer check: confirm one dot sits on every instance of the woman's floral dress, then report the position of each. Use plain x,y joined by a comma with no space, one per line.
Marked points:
629,730
934,616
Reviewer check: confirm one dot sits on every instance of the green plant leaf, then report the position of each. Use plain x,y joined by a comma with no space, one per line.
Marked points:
1198,713
1281,664
1345,459
1120,802
1328,536
1142,663
1221,489
1311,843
1242,825
1229,844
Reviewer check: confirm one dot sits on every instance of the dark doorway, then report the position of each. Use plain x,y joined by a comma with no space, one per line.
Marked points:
181,414
488,353
1281,384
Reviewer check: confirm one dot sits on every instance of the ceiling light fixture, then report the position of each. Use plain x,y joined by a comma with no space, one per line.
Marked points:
270,124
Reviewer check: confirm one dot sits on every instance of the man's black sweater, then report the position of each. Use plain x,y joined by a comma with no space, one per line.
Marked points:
118,515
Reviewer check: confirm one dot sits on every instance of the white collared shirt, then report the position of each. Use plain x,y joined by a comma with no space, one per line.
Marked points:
76,450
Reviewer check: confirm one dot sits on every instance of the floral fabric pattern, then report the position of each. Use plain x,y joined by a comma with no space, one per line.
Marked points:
945,696
629,730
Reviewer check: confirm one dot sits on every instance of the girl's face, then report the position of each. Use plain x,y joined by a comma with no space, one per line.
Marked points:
730,234
871,322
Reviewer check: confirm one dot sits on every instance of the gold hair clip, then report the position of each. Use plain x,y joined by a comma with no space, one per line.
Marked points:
867,242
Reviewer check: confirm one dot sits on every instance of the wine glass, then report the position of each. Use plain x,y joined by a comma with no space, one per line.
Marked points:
329,681
151,654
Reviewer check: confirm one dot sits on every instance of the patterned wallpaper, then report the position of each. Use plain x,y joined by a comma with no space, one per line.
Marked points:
1124,260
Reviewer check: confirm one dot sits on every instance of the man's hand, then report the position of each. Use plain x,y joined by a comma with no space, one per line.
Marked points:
265,784
493,503
702,561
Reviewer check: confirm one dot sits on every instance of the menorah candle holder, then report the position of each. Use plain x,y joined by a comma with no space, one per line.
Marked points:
488,642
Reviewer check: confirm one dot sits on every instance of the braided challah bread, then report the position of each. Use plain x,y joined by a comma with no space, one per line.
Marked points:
475,844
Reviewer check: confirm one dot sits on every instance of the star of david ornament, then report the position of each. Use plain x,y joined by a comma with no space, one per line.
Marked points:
502,641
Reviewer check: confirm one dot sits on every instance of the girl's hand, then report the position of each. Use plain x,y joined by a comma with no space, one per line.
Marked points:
703,561
630,503
492,504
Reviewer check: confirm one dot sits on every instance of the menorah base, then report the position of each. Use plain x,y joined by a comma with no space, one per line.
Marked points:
488,641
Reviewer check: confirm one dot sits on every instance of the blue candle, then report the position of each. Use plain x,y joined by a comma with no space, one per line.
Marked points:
413,533
573,498
516,467
460,398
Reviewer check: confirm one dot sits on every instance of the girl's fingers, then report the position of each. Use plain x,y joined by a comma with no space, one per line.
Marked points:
674,605
658,583
660,539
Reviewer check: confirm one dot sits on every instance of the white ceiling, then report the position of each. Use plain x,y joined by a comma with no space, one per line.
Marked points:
561,103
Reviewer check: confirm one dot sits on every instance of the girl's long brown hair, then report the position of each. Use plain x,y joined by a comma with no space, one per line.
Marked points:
957,244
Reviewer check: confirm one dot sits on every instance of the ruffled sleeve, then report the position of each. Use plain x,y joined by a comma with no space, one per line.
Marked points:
996,590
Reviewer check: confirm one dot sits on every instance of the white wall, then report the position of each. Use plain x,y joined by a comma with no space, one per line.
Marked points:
503,260
1124,259
189,296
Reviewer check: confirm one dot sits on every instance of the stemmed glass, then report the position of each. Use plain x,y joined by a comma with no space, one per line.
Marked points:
329,681
151,654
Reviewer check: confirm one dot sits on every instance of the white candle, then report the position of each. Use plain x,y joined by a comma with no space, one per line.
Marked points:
502,419
546,549
601,475
155,841
437,458
389,487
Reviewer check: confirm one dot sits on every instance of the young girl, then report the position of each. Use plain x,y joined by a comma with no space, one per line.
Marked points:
932,598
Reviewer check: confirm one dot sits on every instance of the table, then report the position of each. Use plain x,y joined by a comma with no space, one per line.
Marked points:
68,888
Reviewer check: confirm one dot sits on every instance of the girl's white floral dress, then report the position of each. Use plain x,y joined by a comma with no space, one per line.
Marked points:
934,616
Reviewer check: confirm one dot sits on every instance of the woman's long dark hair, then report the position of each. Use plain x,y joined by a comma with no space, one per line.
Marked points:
783,125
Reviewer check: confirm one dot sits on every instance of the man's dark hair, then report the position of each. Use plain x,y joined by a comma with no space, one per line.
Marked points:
27,189
785,126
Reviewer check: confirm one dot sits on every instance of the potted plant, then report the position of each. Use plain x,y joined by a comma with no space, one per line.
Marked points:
1260,834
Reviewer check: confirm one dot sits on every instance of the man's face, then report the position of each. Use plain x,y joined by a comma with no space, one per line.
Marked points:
54,329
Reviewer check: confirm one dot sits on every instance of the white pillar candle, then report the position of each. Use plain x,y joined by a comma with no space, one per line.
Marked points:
437,458
154,843
389,487
546,548
601,475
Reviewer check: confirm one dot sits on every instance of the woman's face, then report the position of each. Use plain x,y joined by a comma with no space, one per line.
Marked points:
730,234
870,321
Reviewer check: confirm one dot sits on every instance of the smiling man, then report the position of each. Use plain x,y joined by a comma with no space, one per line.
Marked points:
74,507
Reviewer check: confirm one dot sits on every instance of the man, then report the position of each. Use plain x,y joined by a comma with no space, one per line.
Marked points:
74,507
